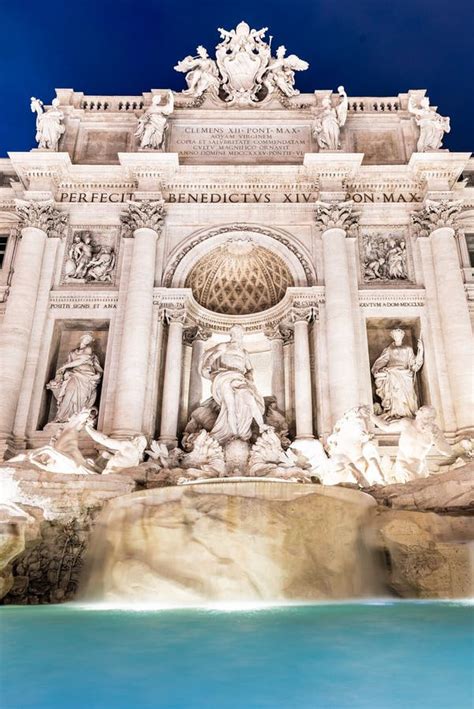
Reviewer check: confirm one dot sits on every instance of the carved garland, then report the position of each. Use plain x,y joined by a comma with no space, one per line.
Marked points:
238,227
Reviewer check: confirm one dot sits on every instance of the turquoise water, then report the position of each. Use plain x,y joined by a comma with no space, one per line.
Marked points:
377,656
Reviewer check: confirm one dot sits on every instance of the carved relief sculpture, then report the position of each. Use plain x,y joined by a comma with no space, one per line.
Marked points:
384,259
75,383
329,120
49,128
153,124
394,374
432,126
88,261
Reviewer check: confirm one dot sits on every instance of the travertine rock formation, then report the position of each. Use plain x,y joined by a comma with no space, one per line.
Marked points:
245,541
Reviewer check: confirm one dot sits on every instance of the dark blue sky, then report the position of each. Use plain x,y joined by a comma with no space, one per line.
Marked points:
373,47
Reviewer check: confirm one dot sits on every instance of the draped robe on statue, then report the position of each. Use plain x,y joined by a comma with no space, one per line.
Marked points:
394,374
230,371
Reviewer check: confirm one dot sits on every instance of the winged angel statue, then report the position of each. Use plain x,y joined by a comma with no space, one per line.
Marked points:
244,71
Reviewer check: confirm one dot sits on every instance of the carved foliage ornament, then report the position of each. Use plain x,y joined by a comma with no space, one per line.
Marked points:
42,215
341,215
436,215
146,214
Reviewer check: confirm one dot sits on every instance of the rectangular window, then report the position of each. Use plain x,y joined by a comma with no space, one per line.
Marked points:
3,247
470,248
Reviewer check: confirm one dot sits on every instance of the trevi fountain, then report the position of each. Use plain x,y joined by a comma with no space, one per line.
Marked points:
236,349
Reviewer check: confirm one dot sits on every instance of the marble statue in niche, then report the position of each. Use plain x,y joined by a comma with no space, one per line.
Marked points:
230,371
87,261
75,383
243,67
153,124
394,372
384,259
49,127
201,73
432,125
329,120
417,437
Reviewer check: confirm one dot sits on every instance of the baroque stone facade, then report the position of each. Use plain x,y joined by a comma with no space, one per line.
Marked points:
327,219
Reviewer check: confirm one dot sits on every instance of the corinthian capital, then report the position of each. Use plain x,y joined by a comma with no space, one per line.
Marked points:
191,334
174,312
341,215
147,214
436,215
303,313
42,215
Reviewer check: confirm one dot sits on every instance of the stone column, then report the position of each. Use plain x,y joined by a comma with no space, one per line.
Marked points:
144,222
195,336
302,386
37,221
336,220
438,219
278,366
176,318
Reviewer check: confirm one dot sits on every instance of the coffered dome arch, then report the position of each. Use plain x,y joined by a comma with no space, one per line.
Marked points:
283,245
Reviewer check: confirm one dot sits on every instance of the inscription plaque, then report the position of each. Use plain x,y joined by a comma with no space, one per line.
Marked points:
253,143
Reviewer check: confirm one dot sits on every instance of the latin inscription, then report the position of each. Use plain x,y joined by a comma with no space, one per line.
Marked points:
251,143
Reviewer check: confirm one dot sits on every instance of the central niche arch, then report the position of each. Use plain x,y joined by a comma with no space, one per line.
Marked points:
239,277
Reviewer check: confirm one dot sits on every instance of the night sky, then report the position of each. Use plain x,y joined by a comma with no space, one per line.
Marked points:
372,47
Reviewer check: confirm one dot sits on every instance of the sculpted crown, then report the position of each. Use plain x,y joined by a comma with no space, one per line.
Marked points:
341,215
147,214
42,215
244,71
435,215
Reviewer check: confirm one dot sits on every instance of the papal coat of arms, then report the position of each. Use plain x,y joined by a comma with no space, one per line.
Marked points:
244,71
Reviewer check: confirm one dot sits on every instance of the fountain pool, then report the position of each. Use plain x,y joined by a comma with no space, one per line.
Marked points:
374,655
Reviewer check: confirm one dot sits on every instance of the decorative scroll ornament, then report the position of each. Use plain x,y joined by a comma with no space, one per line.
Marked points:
42,215
436,215
146,214
244,71
341,216
273,333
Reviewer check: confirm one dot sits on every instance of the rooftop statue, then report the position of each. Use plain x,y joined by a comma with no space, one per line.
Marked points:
329,120
244,71
152,125
432,125
49,128
201,73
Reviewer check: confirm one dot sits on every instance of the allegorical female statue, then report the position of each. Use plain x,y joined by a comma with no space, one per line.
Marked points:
152,125
75,384
432,125
49,126
329,120
394,373
228,367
